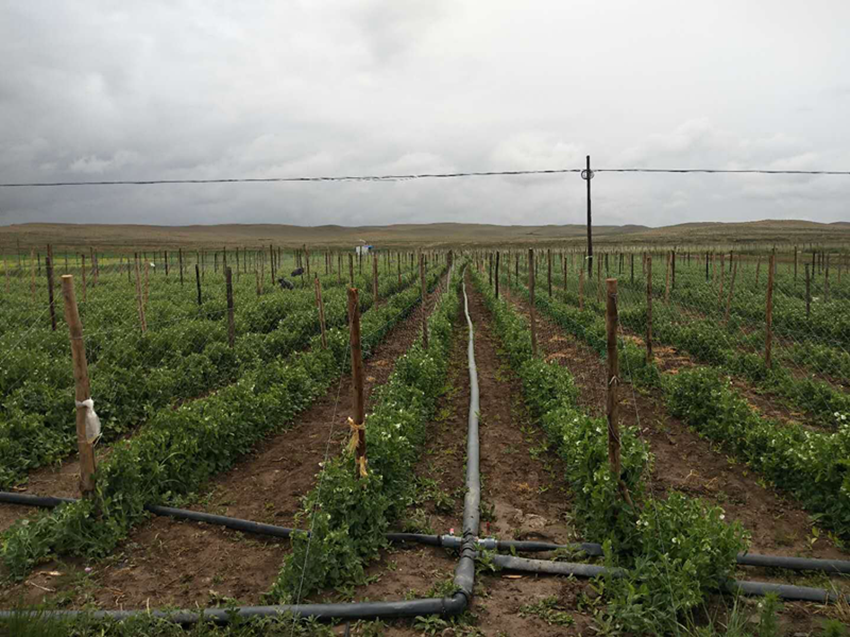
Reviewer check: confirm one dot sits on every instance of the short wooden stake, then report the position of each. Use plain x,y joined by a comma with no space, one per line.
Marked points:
531,309
82,392
731,290
198,282
231,324
139,299
424,299
769,337
358,418
374,277
649,308
321,307
49,268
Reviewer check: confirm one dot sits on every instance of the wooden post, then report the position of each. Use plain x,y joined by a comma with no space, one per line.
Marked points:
581,289
497,274
358,418
139,300
259,283
826,279
599,281
706,267
649,308
613,378
667,281
48,262
351,270
808,293
758,270
673,269
339,268
722,276
769,337
32,275
424,297
490,268
271,262
147,281
198,281
632,259
398,267
82,391
83,271
180,262
731,290
231,324
95,269
374,278
531,310
549,259
307,257
320,304
795,264
165,258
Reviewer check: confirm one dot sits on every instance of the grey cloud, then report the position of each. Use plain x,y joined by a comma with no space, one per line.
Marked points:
183,90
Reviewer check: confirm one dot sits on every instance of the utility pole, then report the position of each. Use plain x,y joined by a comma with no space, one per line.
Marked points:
587,175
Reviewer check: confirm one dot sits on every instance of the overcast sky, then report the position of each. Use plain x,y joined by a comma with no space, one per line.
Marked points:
168,89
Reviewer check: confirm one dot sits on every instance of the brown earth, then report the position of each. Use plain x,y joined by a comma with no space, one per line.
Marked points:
170,563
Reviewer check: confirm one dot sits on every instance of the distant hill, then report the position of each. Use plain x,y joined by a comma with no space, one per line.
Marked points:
431,234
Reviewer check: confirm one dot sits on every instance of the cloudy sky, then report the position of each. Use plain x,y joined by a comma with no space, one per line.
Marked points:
201,89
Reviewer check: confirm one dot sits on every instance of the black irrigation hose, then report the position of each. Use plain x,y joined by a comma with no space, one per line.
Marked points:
526,565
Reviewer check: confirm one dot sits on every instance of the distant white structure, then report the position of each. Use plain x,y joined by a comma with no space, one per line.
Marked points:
364,249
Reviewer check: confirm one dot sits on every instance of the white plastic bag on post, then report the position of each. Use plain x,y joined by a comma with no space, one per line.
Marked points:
92,421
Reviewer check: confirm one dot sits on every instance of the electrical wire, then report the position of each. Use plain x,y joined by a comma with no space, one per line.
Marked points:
414,176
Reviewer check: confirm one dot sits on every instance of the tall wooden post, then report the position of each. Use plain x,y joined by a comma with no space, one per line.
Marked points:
139,299
49,268
231,324
613,379
307,256
198,282
531,309
82,392
424,298
165,258
358,418
769,336
649,308
351,270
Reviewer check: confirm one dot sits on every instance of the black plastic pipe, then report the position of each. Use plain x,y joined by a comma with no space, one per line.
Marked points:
526,565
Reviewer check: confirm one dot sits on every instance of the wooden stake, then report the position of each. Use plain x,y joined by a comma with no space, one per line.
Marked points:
613,378
649,308
82,392
139,298
321,307
826,279
769,338
83,271
497,274
549,264
359,416
374,277
808,294
198,281
731,290
231,324
531,311
667,281
351,270
49,268
424,297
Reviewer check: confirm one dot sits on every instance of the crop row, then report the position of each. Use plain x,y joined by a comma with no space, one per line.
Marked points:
180,449
810,465
676,550
37,417
713,342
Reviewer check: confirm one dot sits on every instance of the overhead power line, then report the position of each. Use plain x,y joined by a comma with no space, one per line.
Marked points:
412,176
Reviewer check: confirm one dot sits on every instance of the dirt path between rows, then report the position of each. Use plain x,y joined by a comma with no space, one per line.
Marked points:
522,498
170,563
